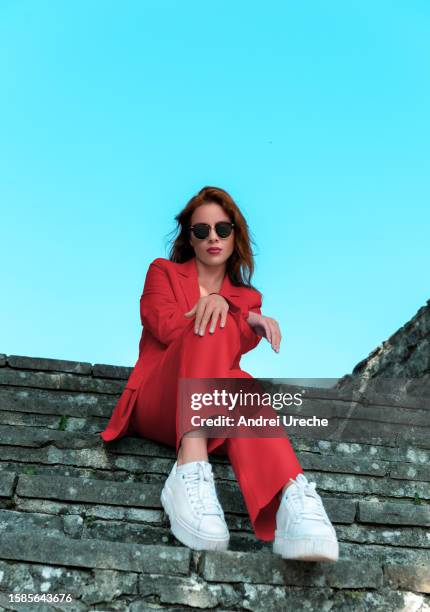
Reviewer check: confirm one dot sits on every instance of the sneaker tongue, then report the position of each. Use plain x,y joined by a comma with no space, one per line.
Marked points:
310,505
206,491
300,481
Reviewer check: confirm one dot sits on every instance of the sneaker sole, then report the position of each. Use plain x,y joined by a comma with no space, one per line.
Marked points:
316,549
183,532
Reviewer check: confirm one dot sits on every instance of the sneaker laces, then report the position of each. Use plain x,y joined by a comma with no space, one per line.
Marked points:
201,489
306,498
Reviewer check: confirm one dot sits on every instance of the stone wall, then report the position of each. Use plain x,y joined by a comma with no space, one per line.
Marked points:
403,358
81,517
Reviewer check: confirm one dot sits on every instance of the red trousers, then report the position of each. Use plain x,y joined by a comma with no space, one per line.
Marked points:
262,466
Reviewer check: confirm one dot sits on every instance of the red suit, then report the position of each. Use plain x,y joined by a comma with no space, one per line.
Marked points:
169,350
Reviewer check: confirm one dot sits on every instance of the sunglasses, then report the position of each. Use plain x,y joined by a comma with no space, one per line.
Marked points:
202,230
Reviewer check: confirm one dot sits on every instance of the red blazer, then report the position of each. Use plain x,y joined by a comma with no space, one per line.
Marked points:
170,290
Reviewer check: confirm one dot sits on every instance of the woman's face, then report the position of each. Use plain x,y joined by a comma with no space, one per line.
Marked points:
211,214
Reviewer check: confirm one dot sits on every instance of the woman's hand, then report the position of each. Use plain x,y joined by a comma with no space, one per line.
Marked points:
208,307
265,327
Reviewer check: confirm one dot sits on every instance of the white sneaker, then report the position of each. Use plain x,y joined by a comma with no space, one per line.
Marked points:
190,500
303,529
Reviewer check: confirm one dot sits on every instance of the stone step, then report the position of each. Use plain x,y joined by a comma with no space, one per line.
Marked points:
399,523
403,484
40,437
227,566
392,418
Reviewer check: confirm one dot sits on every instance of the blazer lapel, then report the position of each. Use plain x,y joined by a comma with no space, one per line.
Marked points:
188,278
228,289
189,281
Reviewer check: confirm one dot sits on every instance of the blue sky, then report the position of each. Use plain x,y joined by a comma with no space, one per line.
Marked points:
314,116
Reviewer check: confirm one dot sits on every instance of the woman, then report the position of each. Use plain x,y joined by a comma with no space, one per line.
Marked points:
200,314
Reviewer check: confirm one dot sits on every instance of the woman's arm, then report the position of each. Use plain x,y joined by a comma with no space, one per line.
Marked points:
265,327
250,339
159,310
209,308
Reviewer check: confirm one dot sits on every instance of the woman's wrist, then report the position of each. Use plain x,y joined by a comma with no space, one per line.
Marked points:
216,293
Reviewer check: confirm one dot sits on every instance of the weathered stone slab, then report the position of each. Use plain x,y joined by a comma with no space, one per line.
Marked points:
87,457
86,587
45,363
362,450
417,537
384,553
414,436
412,577
340,510
268,598
246,542
39,437
89,490
190,591
37,469
111,371
2,360
111,492
7,481
88,425
92,512
130,445
80,462
272,569
12,418
362,433
412,454
362,485
389,513
411,472
153,465
27,522
385,409
137,533
379,393
38,547
42,401
7,605
95,458
61,381
331,463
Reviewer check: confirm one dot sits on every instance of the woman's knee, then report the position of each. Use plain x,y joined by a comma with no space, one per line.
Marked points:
228,335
